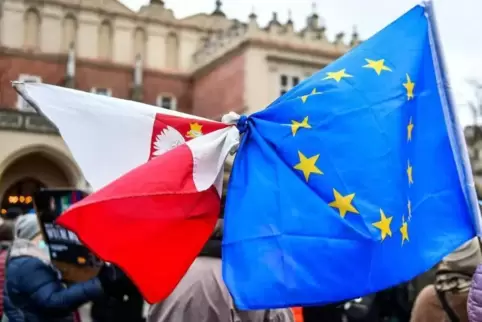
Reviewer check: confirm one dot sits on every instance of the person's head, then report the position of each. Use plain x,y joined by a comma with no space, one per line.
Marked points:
6,230
465,258
27,227
13,213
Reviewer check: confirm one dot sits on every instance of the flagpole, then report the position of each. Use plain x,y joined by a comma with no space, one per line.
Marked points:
456,134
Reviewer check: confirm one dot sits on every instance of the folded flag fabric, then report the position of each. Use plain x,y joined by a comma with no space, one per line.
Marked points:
352,182
153,217
109,136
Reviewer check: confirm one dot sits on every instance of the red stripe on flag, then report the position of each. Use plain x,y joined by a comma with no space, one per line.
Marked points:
152,222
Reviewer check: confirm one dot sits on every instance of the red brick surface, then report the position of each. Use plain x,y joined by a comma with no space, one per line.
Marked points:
221,89
88,75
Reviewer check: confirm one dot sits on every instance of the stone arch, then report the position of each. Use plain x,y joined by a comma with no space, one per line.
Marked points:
69,30
20,194
32,25
51,167
140,40
172,51
105,45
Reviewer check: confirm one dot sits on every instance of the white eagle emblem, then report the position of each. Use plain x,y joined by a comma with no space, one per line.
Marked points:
168,139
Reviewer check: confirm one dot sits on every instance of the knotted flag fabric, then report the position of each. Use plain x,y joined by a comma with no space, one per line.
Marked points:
352,182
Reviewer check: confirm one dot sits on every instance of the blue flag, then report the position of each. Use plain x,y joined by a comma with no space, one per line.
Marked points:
352,182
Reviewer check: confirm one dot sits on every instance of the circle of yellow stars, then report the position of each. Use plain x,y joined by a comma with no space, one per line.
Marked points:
307,164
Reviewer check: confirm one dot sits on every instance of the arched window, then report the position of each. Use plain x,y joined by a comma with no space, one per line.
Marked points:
172,51
20,195
140,40
69,28
32,29
167,101
105,40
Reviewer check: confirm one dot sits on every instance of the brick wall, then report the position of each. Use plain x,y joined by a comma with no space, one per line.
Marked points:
220,89
88,75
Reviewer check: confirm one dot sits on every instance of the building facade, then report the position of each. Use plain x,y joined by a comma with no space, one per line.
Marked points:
205,64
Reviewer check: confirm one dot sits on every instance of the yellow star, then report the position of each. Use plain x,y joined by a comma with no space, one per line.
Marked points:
409,173
337,75
308,165
409,86
404,231
343,203
305,97
410,127
377,65
384,225
296,125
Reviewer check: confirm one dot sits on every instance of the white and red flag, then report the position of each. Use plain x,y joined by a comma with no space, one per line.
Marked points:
157,177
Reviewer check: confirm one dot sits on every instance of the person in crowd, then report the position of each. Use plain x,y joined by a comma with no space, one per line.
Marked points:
446,299
330,312
202,296
13,213
33,290
6,231
6,237
474,303
126,307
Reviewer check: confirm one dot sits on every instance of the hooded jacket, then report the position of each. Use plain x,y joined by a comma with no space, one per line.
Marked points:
34,292
474,303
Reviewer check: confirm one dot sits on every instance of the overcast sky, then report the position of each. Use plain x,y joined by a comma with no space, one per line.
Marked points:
460,25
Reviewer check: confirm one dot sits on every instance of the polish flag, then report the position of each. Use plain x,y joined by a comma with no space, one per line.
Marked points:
157,175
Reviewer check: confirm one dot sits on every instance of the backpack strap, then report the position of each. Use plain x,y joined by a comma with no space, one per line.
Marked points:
448,310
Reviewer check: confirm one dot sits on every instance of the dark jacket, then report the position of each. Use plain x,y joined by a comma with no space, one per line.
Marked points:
34,292
4,248
111,309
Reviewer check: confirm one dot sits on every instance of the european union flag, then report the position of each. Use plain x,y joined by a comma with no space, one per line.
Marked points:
353,181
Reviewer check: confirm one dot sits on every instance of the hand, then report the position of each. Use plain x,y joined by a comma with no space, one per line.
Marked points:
114,282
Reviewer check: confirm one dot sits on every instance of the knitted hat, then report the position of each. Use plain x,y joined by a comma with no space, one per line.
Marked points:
465,258
27,227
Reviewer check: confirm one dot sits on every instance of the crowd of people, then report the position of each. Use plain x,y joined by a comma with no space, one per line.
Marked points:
33,289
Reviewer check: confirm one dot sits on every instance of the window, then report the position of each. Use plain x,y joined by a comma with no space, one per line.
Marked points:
296,80
105,40
166,101
22,105
101,91
69,32
140,39
32,29
287,83
172,51
284,80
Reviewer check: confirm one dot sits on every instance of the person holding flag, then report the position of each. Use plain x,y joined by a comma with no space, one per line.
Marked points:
352,182
33,290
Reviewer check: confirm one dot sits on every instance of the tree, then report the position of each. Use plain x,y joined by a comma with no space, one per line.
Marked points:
476,106
473,133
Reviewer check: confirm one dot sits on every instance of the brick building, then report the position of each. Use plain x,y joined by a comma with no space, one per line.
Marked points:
205,64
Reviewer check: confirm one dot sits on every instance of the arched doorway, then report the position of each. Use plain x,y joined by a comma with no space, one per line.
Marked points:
20,194
26,175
